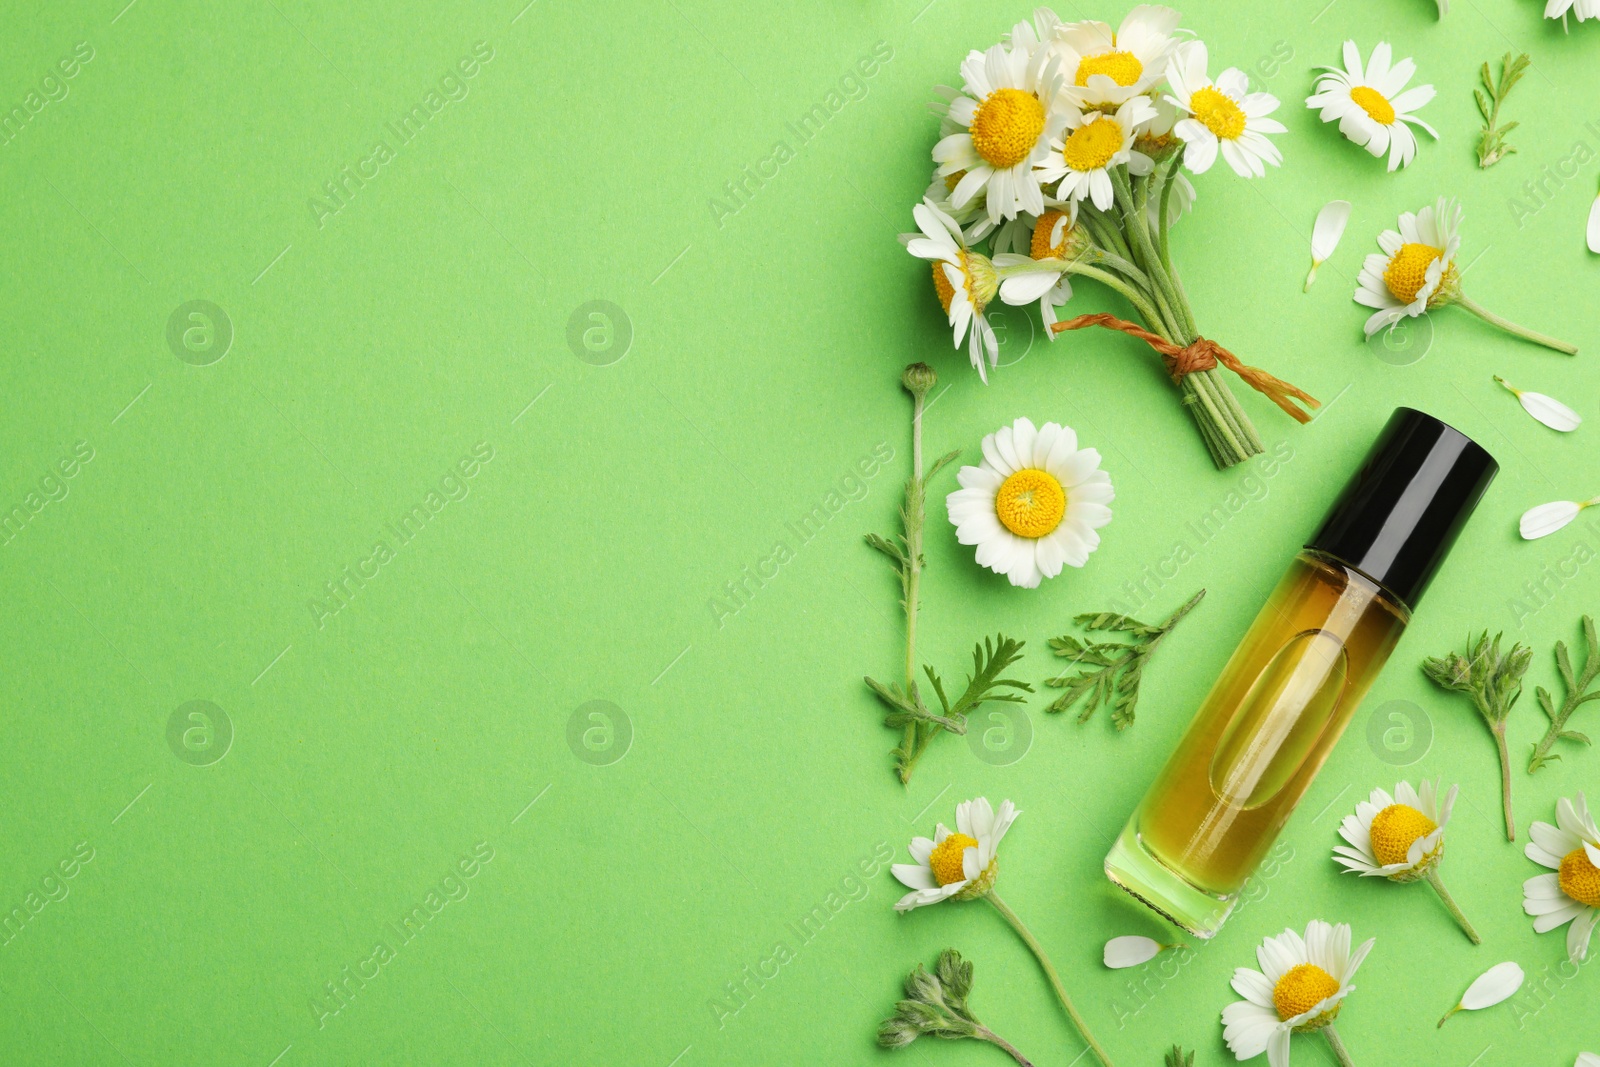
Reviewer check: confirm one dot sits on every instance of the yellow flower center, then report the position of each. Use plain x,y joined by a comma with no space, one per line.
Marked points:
1123,68
1030,503
1408,269
1007,126
1580,879
977,278
1302,987
945,859
1374,104
1091,146
953,179
1218,112
1395,828
1040,247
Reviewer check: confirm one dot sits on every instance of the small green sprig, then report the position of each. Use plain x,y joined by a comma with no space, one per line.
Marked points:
1492,147
1493,682
1176,1057
1109,672
935,1005
1577,695
907,710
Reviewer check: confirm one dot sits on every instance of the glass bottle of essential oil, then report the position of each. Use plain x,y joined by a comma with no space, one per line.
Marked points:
1297,676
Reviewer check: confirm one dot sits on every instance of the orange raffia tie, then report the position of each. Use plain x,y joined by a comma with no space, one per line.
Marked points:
1203,354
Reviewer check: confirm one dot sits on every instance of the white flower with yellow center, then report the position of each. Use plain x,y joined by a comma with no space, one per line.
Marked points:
1417,270
962,865
1056,236
1396,837
1571,895
964,280
1417,273
1091,143
1003,124
1401,838
1373,106
1300,988
1034,503
1223,116
1104,66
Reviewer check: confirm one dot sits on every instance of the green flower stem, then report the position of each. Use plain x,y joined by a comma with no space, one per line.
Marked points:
1134,223
913,580
1512,328
1163,225
1340,1053
986,1034
1105,232
1505,779
1130,270
1049,972
1451,906
1135,297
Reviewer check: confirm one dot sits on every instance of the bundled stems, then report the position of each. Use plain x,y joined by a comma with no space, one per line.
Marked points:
1451,906
1049,972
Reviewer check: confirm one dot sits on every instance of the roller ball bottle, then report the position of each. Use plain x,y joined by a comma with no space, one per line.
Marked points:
1295,679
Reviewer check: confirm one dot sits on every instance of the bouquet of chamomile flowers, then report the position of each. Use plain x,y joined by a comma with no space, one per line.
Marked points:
1062,155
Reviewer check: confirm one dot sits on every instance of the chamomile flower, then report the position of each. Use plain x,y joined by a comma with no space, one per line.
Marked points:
1034,503
962,865
1056,236
1401,838
1373,107
964,280
1417,273
1091,143
1003,123
1105,66
1587,1059
1221,116
1300,988
1571,848
1417,270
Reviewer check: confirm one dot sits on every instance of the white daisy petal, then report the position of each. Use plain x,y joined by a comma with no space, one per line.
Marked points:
1546,519
1580,932
1495,985
1593,234
1325,234
1130,951
1553,413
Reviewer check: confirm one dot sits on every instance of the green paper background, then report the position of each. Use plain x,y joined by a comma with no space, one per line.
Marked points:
738,777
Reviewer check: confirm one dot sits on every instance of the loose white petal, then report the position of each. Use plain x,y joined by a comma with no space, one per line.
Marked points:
1548,410
1594,225
1494,985
1587,1059
1546,519
1130,951
1325,234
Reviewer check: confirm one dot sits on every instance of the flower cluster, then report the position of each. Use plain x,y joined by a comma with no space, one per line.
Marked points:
1059,155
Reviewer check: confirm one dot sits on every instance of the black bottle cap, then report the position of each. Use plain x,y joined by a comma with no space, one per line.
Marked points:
1399,515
